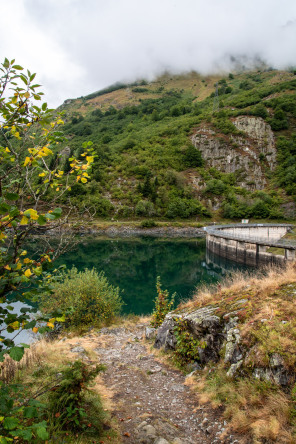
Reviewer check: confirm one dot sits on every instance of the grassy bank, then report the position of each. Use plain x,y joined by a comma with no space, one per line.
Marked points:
253,401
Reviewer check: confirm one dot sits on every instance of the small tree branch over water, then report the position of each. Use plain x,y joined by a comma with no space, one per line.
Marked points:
30,183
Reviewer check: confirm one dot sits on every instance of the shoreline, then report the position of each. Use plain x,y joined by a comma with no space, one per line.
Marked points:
130,231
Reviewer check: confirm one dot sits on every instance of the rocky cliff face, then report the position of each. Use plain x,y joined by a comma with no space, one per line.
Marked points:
249,154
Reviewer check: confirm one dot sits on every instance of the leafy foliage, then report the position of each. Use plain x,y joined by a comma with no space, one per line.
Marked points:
187,347
21,418
85,297
67,404
29,172
163,305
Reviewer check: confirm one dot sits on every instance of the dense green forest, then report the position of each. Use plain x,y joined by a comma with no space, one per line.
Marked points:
145,157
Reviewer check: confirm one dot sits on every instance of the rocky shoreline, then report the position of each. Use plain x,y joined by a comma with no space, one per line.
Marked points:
129,231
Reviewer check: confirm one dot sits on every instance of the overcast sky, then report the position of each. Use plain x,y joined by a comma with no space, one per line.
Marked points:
80,46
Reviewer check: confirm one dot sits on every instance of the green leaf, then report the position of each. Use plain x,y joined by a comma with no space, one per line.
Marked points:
30,412
19,67
42,433
25,434
57,212
41,220
30,325
4,440
24,79
4,208
10,423
50,216
16,353
44,106
11,196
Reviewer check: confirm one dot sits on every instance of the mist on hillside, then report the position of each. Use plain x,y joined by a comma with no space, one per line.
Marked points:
79,47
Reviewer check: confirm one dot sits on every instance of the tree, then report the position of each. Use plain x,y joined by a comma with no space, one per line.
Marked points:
29,141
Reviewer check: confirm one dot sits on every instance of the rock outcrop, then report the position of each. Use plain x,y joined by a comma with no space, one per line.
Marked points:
248,154
221,339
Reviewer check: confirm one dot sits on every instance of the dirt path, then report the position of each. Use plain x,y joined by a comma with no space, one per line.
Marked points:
150,401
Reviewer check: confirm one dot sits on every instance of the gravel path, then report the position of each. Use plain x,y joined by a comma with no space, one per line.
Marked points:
151,402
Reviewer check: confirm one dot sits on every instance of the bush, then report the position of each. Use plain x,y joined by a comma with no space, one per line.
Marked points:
69,404
192,157
216,186
86,298
180,207
187,346
163,305
260,111
148,224
144,208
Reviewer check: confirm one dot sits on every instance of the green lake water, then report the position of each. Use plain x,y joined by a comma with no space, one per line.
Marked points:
133,264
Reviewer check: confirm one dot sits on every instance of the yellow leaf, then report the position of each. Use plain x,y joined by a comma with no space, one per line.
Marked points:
28,273
23,253
41,174
50,324
47,151
24,220
83,180
27,95
2,236
15,325
31,213
7,267
35,329
7,150
27,260
27,160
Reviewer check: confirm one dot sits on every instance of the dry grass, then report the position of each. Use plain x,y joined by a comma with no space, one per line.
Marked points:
266,281
265,304
251,407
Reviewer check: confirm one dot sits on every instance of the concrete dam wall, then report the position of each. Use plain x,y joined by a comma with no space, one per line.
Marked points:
248,243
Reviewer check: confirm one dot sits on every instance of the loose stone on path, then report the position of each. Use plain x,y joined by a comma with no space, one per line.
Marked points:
152,403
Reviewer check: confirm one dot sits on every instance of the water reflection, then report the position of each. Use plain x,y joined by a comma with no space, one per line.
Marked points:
134,264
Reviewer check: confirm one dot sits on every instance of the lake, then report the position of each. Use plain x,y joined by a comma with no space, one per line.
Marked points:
133,264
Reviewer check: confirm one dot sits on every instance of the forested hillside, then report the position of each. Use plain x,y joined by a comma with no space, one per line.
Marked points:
187,147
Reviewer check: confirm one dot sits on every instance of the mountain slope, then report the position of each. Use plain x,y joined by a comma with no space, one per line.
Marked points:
180,147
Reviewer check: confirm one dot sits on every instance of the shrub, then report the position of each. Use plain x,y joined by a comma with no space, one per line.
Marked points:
192,157
86,297
163,305
148,224
187,346
69,405
260,111
216,186
22,418
144,208
180,207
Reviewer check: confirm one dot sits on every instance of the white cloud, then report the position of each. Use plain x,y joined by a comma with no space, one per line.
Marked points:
78,47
